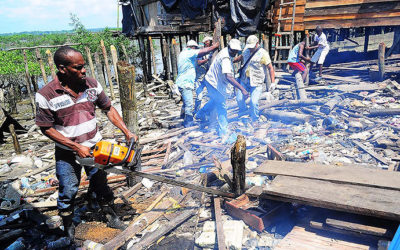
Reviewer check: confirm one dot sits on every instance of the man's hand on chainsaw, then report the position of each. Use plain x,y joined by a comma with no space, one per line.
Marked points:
84,151
131,135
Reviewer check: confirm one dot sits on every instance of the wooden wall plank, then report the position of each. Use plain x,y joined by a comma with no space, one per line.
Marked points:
359,8
330,3
382,203
337,24
353,16
350,175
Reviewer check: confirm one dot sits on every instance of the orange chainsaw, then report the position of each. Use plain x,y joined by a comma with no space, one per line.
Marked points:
108,154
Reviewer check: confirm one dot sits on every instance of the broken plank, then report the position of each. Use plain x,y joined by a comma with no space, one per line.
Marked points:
219,226
358,228
356,175
138,225
373,154
299,238
150,238
382,203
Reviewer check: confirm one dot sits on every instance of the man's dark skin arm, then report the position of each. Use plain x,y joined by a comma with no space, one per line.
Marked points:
207,50
301,49
233,81
84,151
314,45
56,136
202,61
238,59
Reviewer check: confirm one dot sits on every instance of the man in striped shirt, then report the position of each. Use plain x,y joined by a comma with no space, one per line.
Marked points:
66,114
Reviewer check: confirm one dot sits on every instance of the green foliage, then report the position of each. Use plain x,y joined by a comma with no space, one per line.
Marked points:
12,62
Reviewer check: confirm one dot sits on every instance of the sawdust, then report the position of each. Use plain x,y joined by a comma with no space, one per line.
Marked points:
96,231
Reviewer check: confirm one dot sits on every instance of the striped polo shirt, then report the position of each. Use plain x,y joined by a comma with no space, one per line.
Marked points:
75,118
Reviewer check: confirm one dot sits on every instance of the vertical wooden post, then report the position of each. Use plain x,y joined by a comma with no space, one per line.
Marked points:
174,63
149,59
176,47
366,40
222,44
91,66
166,61
17,147
307,53
219,225
300,91
381,61
39,58
180,43
28,84
153,56
144,67
34,84
51,64
127,91
114,58
238,160
103,49
99,69
125,53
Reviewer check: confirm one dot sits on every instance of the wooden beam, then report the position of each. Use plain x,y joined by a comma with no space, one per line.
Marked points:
381,61
43,46
352,23
359,228
238,161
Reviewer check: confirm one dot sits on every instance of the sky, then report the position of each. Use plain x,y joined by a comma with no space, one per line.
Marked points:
54,15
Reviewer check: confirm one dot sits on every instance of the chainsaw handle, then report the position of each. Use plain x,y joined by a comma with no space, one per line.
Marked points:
131,144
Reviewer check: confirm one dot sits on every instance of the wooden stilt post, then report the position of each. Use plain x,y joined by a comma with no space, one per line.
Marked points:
180,43
34,84
173,58
127,91
114,58
176,47
167,66
39,58
51,64
381,61
149,59
103,49
238,159
91,66
28,84
144,67
153,56
366,40
307,53
99,69
17,147
125,53
300,91
222,42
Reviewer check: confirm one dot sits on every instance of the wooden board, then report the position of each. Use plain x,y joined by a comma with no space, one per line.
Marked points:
348,9
336,3
350,175
299,238
367,22
382,203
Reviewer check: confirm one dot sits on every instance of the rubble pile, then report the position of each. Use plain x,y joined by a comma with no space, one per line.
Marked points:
344,121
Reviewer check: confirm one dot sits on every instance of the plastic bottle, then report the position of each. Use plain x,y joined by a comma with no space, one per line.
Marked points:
25,182
60,243
187,158
91,245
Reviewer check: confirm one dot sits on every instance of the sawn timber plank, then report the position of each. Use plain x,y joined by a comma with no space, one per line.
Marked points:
349,175
382,203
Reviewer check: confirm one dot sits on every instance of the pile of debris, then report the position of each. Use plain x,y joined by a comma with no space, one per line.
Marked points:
346,130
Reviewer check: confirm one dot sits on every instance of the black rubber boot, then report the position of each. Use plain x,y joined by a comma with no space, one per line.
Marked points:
69,227
113,220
